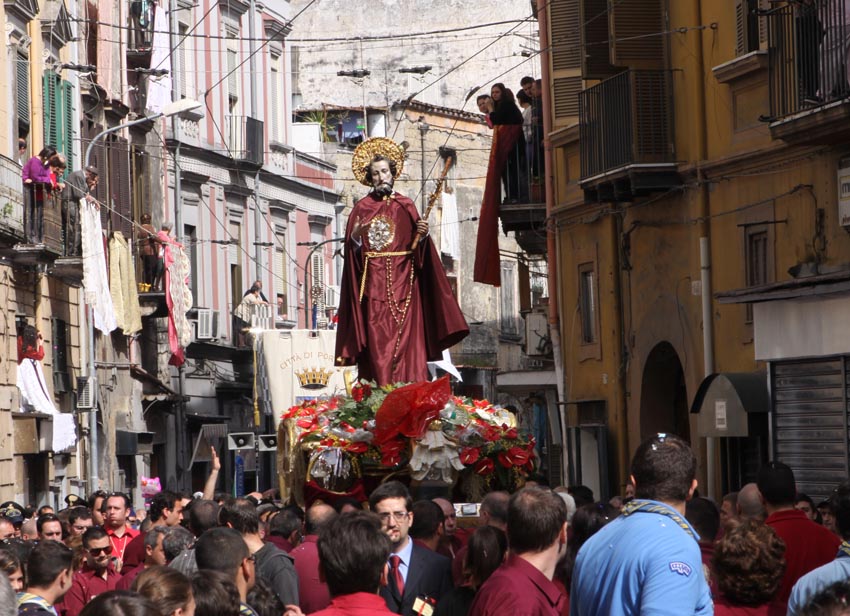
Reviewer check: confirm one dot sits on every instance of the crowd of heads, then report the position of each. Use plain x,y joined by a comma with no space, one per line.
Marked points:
201,556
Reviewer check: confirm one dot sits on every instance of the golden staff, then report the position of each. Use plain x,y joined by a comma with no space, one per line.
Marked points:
433,200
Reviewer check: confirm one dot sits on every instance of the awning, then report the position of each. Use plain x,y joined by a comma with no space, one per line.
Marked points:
804,286
526,379
732,404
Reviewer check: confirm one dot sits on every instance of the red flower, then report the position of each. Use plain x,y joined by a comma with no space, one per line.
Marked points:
358,447
481,404
357,393
511,434
305,422
491,433
469,455
484,466
327,442
367,390
515,456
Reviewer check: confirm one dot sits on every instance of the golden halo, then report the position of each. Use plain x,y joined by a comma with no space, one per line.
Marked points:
370,148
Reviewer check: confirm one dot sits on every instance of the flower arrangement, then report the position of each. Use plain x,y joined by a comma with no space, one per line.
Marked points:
380,425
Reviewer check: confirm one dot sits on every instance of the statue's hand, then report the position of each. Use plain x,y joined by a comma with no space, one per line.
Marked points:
357,230
422,227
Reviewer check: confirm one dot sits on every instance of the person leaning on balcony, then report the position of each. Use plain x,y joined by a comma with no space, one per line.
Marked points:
148,249
244,311
36,177
78,185
514,174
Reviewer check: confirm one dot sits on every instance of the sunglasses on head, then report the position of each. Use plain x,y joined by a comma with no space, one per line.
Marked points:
98,551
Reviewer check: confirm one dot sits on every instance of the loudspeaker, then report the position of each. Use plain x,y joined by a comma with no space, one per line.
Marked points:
268,442
240,440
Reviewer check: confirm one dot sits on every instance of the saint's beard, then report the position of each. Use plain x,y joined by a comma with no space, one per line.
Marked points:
384,189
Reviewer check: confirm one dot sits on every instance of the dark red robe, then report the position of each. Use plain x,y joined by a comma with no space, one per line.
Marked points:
369,334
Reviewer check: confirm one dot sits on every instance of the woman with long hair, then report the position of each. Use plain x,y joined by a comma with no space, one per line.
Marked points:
168,589
485,552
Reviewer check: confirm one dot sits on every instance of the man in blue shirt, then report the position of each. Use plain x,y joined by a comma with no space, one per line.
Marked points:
647,561
839,569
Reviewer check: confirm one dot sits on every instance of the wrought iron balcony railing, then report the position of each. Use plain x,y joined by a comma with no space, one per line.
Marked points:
808,55
626,120
245,139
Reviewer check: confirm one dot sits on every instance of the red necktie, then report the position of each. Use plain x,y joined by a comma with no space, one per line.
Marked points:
395,569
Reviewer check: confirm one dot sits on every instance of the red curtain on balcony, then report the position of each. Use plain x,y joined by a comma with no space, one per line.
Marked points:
487,265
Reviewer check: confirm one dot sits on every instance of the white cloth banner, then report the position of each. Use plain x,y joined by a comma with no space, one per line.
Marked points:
159,88
300,366
36,397
95,280
450,228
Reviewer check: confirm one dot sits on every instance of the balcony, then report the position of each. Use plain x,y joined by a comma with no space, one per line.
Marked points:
11,203
140,33
245,140
809,77
626,135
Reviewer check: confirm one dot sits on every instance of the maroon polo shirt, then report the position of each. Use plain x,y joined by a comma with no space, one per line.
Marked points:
313,594
280,542
357,604
85,586
134,553
520,589
128,576
807,547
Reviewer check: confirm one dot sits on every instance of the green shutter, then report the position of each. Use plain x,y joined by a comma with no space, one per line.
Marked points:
68,123
22,83
51,117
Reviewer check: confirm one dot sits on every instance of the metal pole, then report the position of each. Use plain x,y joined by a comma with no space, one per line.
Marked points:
707,347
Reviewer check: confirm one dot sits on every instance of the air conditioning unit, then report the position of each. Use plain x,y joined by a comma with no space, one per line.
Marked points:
86,392
207,324
240,440
332,296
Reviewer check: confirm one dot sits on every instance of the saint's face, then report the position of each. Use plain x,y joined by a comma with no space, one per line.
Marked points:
381,174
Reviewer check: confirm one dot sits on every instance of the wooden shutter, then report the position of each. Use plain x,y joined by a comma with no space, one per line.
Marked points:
565,92
763,5
232,74
119,187
68,135
22,88
565,39
564,21
280,271
595,61
635,40
50,103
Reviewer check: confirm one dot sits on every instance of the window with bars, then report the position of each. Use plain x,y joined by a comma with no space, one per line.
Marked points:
587,302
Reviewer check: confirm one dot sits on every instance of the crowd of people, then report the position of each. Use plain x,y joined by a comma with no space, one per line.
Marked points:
659,549
521,163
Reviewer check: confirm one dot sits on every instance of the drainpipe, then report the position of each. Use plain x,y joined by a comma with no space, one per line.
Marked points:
704,244
252,64
551,246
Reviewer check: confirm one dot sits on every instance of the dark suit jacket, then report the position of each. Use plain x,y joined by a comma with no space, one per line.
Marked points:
429,574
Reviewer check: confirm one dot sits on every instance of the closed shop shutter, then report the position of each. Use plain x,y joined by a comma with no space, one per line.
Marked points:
809,403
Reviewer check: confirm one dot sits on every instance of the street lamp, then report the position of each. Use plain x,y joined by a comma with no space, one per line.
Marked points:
170,109
315,247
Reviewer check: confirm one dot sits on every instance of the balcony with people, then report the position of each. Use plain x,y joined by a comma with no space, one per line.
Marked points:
626,136
808,46
515,174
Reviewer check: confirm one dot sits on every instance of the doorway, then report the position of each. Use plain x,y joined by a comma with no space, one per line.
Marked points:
664,396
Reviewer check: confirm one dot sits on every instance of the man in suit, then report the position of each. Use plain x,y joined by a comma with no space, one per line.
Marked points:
415,572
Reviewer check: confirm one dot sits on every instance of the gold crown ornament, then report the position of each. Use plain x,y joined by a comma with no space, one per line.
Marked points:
369,149
314,378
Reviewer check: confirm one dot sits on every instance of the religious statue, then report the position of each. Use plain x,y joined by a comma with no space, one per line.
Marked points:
397,310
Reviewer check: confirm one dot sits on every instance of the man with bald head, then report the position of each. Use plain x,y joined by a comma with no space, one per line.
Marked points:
312,590
750,504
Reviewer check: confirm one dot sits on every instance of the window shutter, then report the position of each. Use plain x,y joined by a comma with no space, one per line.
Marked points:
763,5
595,61
317,276
22,85
566,90
275,99
565,39
564,26
634,40
233,74
181,60
68,123
280,273
125,205
741,27
51,119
